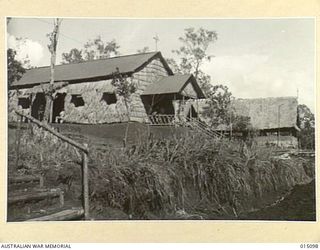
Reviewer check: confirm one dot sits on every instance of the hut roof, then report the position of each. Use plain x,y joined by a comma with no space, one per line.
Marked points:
268,113
263,112
96,69
173,84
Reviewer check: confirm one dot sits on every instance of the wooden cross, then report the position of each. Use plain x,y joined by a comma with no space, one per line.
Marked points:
156,39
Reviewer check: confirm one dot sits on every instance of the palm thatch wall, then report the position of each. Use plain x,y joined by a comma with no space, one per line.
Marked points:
268,113
95,110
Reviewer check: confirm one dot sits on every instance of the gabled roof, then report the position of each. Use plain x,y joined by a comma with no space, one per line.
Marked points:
96,69
173,84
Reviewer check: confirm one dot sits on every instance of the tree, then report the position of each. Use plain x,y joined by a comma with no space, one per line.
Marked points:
143,50
97,49
125,89
92,50
220,111
15,68
218,105
193,53
74,56
306,122
53,38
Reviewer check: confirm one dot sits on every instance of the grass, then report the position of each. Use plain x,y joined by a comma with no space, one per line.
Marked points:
175,177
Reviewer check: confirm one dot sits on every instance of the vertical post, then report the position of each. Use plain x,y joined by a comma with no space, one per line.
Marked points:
18,140
230,126
278,134
85,185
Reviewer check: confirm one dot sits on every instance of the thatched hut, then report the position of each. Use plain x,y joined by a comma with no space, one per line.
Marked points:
84,93
273,119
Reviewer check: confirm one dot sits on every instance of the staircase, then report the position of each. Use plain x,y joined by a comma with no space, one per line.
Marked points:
30,200
193,123
202,127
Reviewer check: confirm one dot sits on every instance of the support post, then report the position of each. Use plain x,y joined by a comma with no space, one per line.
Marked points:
18,141
85,185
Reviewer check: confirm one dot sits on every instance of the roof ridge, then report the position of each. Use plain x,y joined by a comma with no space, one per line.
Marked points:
101,59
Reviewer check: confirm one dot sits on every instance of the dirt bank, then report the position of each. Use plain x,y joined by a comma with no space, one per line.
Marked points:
298,205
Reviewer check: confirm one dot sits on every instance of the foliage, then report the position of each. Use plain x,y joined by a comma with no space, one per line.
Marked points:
240,122
74,56
92,50
144,50
15,69
98,49
306,121
193,53
124,88
218,105
219,110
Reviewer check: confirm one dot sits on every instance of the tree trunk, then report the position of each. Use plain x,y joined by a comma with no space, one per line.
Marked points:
53,48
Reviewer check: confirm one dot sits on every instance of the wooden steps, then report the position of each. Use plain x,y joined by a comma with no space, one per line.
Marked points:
36,195
24,181
64,215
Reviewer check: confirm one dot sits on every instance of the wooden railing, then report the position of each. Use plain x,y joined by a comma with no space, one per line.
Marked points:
203,127
163,120
85,153
194,123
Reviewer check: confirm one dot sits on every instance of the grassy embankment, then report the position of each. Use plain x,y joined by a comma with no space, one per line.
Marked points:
177,177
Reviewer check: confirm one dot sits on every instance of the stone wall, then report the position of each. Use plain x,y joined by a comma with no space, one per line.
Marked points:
96,110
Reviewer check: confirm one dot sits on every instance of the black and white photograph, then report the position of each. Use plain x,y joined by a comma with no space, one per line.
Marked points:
124,119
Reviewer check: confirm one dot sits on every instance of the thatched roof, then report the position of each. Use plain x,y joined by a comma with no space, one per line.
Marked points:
263,112
176,84
268,113
96,70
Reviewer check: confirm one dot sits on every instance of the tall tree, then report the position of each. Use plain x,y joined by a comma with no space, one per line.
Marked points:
53,39
218,105
306,122
92,50
15,68
143,50
125,89
74,56
98,49
193,53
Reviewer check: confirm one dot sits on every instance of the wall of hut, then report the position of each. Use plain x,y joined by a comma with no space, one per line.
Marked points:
13,99
285,141
95,109
150,74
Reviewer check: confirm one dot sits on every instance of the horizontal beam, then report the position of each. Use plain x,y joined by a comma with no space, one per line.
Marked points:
69,214
52,131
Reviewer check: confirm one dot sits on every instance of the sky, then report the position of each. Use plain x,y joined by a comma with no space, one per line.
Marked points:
253,57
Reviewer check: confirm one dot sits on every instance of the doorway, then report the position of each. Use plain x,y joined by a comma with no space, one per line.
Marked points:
38,106
58,106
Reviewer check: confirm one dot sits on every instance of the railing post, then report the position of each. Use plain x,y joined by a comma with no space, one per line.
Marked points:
85,185
18,141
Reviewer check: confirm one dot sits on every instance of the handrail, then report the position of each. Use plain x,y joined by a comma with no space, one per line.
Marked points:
83,148
203,127
162,119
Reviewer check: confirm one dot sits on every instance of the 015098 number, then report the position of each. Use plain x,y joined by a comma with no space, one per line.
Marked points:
308,245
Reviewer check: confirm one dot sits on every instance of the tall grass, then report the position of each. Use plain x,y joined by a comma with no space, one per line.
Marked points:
182,177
